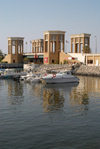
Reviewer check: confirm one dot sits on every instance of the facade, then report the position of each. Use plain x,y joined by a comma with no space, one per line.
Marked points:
88,59
65,58
92,59
37,46
36,58
78,41
50,50
53,44
15,50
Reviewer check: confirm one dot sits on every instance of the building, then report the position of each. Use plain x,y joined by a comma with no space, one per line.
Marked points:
79,41
36,56
54,43
15,50
37,46
92,59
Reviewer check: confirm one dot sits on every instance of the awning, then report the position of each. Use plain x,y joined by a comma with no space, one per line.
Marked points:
30,56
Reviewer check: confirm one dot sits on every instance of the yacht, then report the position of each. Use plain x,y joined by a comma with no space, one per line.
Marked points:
61,77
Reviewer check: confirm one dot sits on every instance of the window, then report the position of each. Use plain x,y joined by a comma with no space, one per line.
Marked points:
86,41
46,46
54,47
81,47
60,37
13,60
46,37
53,61
90,61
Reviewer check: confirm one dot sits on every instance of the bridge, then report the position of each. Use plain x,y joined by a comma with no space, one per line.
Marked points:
34,57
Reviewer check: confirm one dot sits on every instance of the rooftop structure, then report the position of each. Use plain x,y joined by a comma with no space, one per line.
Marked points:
53,44
15,50
37,46
79,41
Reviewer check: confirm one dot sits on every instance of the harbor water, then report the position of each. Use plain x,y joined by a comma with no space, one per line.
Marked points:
62,116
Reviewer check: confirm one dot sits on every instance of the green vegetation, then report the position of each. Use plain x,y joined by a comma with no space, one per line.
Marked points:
86,49
65,62
1,55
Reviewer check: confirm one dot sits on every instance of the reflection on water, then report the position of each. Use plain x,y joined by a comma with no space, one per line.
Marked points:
79,97
36,89
52,99
74,122
53,96
15,92
88,86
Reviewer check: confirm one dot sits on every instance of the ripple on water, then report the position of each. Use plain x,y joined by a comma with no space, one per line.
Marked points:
37,116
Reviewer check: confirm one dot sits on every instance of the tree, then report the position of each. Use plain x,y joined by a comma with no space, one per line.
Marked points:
86,49
1,55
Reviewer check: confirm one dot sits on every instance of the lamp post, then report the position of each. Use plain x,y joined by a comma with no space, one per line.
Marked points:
95,44
67,42
30,46
26,46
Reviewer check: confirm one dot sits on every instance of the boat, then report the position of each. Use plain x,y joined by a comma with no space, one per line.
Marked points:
30,77
61,77
9,74
26,76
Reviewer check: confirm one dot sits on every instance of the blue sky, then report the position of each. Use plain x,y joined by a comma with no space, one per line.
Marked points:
30,18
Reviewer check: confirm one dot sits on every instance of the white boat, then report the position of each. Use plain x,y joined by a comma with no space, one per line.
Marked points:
31,78
26,76
9,74
62,77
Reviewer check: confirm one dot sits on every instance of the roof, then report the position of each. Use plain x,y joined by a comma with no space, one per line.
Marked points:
15,38
54,32
36,40
81,35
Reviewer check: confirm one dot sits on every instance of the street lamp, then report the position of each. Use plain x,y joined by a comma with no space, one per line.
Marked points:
30,45
67,42
95,44
26,46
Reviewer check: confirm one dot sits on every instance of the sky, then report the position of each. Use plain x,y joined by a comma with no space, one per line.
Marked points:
30,18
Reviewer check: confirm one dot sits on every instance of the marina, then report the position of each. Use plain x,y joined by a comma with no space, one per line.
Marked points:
49,74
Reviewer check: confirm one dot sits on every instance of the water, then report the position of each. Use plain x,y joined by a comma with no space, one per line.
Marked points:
63,116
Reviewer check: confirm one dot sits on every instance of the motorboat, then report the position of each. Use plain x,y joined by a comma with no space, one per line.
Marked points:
9,74
27,76
61,77
31,78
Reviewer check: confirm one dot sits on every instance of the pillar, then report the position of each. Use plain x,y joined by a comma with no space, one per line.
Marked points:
71,45
74,46
79,46
63,42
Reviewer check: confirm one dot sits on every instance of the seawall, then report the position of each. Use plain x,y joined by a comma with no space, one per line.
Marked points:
87,70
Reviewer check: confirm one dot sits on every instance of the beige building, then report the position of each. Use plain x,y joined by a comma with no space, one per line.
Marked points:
37,46
54,43
92,59
78,41
15,50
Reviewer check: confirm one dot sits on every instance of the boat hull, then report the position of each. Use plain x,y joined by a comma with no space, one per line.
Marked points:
61,80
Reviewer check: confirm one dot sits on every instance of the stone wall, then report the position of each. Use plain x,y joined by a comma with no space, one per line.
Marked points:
87,70
52,68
